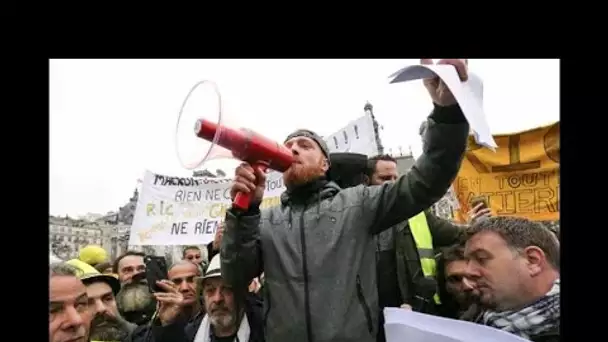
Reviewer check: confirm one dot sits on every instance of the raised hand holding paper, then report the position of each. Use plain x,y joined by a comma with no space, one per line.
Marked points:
467,92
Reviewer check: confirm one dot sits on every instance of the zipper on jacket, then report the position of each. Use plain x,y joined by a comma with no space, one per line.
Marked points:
267,300
366,310
306,285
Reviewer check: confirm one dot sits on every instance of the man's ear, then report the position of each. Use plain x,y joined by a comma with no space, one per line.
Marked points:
536,259
325,165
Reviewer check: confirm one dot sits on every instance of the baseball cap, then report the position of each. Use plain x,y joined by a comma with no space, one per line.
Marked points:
88,275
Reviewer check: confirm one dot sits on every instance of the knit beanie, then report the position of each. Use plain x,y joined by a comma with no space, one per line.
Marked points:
314,136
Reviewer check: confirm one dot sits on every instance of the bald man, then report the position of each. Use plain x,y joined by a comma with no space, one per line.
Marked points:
183,274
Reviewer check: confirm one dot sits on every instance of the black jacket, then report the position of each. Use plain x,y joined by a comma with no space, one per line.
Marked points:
150,333
399,269
549,336
211,252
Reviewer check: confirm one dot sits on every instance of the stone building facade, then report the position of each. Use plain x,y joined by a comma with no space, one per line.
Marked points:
67,236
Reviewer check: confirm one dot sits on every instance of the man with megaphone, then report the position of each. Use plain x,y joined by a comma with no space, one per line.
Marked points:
316,249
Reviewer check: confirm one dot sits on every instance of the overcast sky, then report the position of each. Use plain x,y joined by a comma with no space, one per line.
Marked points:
110,120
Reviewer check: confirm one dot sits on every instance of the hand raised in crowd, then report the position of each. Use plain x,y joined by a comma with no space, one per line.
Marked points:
170,302
248,180
217,240
478,212
441,95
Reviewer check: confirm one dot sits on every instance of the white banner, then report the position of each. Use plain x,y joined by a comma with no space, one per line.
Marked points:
357,137
187,211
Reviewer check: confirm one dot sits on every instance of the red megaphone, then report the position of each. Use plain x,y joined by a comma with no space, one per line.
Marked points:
215,139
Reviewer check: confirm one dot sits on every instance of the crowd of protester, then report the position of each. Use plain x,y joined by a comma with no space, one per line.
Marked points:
113,302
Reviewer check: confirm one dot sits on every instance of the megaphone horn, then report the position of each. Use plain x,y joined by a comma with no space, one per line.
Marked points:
215,139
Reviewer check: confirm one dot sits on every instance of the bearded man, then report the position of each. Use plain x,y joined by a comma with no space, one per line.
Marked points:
107,323
317,248
135,302
232,314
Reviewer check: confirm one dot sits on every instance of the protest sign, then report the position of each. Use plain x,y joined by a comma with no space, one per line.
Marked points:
357,137
187,211
520,179
182,211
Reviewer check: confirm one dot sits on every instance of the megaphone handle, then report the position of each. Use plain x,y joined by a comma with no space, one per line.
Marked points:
242,200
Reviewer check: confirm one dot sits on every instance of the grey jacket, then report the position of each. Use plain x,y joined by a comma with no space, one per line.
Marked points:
318,252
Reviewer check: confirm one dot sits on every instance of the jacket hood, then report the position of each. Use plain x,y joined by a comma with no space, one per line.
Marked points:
315,191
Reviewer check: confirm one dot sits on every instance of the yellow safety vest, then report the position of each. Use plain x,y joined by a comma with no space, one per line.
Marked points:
424,242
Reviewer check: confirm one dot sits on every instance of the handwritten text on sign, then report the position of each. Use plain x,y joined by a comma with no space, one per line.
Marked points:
187,211
520,179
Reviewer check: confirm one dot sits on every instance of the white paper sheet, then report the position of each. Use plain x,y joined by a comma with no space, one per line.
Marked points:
410,326
469,95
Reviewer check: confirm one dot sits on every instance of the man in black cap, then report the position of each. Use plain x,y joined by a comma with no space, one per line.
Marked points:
107,323
317,249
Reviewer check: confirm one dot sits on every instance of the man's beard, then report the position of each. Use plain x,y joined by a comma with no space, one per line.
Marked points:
107,328
467,299
299,174
135,302
221,317
134,297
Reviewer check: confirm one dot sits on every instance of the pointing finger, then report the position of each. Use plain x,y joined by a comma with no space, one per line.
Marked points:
460,65
164,295
168,298
166,285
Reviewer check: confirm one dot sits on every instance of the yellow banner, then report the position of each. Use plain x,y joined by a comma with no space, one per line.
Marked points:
520,179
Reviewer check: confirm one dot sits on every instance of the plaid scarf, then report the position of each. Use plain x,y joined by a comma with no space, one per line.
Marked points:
537,318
